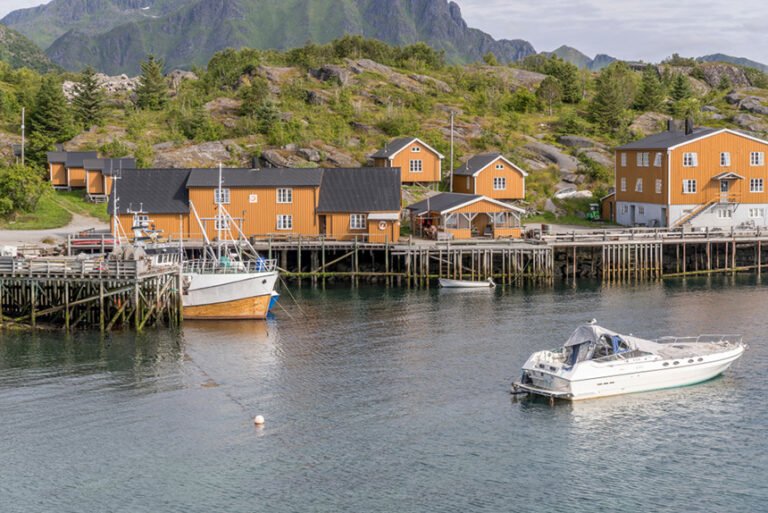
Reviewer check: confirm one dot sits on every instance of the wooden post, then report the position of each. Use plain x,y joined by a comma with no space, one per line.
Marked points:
33,301
137,305
101,306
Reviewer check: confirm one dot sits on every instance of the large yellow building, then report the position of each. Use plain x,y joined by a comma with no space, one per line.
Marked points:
694,176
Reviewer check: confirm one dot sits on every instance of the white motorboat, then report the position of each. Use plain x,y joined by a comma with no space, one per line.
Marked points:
596,362
466,284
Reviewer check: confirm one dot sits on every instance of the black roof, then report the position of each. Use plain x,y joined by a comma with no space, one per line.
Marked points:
58,157
476,163
668,139
393,147
155,191
367,189
267,177
77,158
109,167
442,201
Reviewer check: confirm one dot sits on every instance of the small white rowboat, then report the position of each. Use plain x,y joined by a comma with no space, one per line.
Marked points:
467,284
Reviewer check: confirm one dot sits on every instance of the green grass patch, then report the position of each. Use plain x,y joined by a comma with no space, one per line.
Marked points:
76,202
49,214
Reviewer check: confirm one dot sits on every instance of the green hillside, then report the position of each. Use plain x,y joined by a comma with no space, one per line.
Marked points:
20,52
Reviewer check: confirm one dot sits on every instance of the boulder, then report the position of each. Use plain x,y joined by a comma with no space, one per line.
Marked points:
575,141
649,123
709,108
750,122
177,76
437,84
207,154
310,154
112,85
753,104
331,73
566,163
602,157
395,78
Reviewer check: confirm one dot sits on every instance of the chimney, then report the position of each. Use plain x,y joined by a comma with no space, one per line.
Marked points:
670,125
688,126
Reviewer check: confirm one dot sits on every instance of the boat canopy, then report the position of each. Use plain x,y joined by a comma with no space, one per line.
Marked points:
592,334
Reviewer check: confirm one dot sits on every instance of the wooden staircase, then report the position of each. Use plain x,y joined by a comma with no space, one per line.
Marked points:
693,213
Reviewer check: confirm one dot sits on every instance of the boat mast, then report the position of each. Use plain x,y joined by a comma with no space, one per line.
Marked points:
219,215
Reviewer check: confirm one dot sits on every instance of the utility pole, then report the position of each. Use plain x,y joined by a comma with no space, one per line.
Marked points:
451,177
23,113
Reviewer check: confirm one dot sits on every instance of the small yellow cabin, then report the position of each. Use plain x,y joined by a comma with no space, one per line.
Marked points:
100,173
66,169
418,162
490,175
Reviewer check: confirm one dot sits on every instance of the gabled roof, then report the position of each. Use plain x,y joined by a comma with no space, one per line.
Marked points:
76,158
155,191
366,189
668,139
109,167
448,201
728,175
396,146
478,163
57,157
267,177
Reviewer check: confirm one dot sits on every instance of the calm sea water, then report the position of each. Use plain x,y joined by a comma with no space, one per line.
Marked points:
384,400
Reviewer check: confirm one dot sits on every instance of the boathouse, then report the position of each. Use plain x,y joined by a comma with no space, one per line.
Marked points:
491,175
66,169
418,162
697,177
99,174
451,215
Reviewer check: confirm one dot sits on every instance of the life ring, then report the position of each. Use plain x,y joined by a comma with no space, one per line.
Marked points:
382,225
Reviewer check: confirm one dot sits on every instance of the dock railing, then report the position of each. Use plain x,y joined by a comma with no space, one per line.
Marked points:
655,234
68,268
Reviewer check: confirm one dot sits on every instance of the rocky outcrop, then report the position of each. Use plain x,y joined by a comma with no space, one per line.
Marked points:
208,154
114,86
331,73
750,122
715,73
576,141
177,76
568,164
648,123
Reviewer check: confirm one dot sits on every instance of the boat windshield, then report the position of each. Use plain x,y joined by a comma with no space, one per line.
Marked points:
605,346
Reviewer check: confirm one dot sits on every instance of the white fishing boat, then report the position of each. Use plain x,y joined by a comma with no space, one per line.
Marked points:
466,284
596,362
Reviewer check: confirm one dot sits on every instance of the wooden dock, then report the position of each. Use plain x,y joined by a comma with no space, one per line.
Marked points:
73,293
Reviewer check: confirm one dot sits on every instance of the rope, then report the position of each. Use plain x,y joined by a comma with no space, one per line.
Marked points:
285,286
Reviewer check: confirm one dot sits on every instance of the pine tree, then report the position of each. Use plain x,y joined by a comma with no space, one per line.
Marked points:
152,92
568,75
614,93
89,99
52,115
651,93
550,92
681,88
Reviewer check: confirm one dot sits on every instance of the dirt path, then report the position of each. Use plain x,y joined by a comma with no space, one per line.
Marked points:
27,237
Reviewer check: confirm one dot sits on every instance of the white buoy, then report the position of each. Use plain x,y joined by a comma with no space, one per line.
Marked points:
258,420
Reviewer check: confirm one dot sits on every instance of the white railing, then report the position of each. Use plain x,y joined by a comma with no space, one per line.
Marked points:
226,266
732,339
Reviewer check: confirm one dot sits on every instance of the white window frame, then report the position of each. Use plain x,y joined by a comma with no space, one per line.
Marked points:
659,185
657,160
639,185
725,159
756,158
285,195
690,159
724,213
284,222
689,186
358,221
499,183
499,167
623,155
220,223
623,184
468,183
756,213
625,209
756,185
415,149
416,166
225,196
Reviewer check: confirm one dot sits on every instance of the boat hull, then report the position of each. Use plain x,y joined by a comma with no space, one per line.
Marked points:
228,296
633,378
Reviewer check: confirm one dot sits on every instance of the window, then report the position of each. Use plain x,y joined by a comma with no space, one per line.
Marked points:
253,198
416,149
358,222
623,160
755,213
224,199
467,183
641,211
499,166
658,186
755,185
623,185
725,159
689,186
639,185
724,213
452,221
624,209
657,160
221,223
690,159
417,166
756,158
499,183
285,222
285,195
643,159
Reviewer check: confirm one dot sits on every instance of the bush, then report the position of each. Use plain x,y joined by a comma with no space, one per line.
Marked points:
20,189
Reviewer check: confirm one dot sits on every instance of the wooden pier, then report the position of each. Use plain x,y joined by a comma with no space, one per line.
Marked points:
71,293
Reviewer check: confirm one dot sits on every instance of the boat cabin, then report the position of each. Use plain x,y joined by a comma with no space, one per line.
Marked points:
451,215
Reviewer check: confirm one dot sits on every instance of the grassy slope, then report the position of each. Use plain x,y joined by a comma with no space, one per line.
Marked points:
55,210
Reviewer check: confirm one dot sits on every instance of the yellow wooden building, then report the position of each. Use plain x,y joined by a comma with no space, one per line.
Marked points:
692,176
99,174
491,175
66,169
452,215
418,162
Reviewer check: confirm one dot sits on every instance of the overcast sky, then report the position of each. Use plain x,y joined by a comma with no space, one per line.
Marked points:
627,29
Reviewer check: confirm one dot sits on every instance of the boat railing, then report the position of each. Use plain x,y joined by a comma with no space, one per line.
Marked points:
708,338
226,266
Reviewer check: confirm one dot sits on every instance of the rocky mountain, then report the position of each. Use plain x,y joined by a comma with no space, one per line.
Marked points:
741,61
574,56
19,51
115,35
